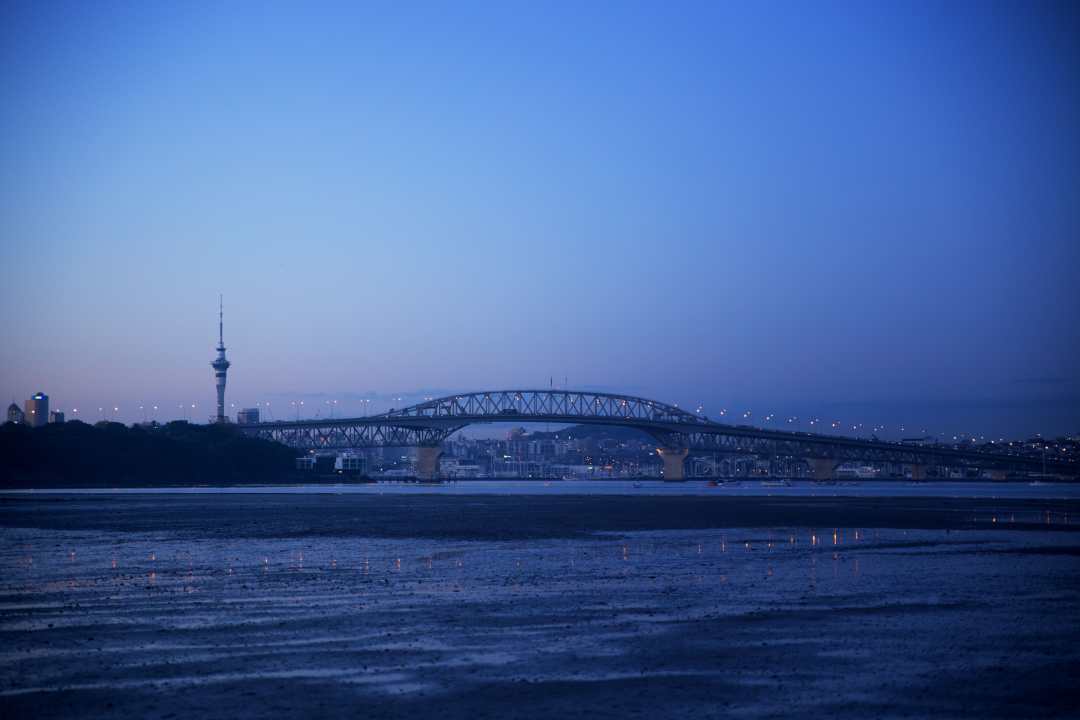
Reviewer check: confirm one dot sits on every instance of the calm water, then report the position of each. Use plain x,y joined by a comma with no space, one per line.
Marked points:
1048,491
768,622
250,606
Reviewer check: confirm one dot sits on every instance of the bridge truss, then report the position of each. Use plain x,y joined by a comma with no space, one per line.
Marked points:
429,423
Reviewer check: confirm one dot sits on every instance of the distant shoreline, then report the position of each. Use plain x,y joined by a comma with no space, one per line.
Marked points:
314,481
532,492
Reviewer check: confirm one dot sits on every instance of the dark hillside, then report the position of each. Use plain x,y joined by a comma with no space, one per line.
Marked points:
75,454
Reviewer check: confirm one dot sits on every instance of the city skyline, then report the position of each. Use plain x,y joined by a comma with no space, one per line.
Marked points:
838,419
851,213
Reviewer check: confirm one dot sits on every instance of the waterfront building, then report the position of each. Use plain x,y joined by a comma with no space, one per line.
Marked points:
56,416
37,410
350,463
15,414
457,468
248,416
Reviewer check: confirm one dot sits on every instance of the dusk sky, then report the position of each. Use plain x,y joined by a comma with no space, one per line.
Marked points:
864,211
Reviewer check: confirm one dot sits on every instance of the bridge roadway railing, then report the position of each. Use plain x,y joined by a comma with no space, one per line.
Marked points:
428,424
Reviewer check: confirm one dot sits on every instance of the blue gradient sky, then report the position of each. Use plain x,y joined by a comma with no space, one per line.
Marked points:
864,211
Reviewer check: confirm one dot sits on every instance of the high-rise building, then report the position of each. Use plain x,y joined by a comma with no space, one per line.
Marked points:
37,410
15,414
56,416
220,364
248,416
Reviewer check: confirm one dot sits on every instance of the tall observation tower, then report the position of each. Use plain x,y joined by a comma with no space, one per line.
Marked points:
220,364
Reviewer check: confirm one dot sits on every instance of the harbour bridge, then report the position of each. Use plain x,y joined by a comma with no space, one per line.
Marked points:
675,431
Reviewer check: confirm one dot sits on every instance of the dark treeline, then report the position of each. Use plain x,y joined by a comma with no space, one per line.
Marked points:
75,454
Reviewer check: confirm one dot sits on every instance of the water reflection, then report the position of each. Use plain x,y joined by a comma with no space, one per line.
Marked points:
667,561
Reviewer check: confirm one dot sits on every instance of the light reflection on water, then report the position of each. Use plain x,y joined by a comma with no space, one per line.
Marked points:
643,550
194,583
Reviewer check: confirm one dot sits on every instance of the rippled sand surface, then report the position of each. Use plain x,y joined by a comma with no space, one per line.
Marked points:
421,606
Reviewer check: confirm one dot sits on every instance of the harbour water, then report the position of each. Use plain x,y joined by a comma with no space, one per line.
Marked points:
534,601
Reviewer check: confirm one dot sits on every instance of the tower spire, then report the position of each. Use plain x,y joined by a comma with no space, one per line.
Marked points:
220,363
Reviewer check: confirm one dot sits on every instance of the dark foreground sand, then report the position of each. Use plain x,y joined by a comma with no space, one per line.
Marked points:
513,606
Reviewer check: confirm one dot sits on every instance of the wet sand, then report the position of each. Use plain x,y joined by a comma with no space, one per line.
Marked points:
512,606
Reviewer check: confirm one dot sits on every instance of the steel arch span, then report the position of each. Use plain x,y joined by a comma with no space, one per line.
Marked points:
675,430
543,404
431,422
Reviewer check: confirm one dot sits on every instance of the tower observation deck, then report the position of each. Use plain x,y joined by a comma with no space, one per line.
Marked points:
220,364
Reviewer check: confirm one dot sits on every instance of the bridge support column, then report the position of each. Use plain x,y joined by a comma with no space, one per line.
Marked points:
427,462
822,468
918,473
674,470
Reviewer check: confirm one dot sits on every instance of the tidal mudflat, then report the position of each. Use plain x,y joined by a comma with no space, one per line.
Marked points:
464,606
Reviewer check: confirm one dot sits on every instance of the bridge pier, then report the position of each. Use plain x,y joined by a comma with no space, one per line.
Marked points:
674,470
822,468
427,462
